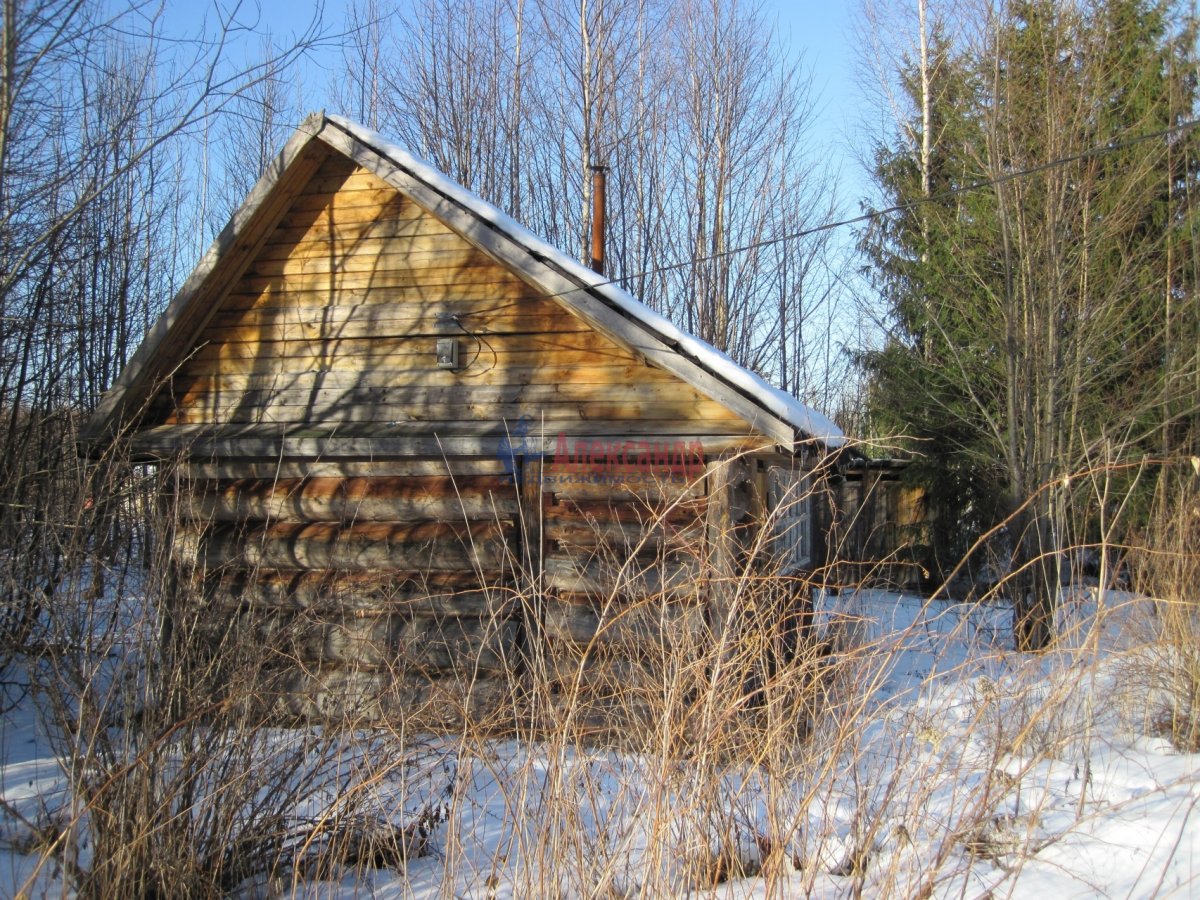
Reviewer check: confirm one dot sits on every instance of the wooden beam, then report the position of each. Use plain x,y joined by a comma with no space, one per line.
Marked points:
356,694
720,549
477,547
394,642
643,624
247,442
363,593
378,499
573,575
564,413
334,468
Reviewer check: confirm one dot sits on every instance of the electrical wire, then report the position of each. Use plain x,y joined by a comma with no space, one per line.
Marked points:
873,214
868,216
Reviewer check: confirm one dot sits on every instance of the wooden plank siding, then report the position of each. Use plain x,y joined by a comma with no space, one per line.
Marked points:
293,346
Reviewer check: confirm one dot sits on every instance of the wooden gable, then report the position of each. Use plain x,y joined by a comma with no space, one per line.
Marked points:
310,328
335,323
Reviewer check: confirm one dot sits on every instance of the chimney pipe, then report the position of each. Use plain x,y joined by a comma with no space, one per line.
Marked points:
599,182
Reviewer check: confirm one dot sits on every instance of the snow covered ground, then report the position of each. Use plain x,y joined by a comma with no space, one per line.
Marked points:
954,768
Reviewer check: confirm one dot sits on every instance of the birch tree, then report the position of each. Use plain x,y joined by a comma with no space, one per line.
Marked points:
94,105
700,121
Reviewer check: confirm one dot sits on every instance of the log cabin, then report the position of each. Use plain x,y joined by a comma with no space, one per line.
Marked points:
422,453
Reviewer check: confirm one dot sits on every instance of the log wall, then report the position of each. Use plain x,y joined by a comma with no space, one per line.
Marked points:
442,579
435,540
388,580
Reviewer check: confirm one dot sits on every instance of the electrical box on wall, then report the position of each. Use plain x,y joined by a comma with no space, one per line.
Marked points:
447,353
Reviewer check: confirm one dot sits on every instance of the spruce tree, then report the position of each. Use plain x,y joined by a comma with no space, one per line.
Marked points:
1026,283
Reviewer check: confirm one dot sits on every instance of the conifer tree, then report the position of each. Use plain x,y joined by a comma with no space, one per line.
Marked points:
1026,283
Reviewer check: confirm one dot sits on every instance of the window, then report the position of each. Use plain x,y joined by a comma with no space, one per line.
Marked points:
791,501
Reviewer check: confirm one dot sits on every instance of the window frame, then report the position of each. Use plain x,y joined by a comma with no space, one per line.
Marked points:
790,493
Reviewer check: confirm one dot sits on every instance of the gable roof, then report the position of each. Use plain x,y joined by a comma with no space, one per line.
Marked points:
600,302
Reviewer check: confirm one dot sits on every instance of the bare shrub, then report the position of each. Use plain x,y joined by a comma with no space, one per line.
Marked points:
783,745
1165,564
180,782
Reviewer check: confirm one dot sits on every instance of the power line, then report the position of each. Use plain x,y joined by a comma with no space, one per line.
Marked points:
871,215
868,216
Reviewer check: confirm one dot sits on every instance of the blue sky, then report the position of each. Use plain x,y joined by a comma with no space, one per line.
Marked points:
818,33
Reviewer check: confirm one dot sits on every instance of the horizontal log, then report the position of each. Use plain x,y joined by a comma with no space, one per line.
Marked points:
675,579
610,537
457,467
458,644
635,627
477,547
655,677
675,518
352,412
645,484
568,664
607,721
355,499
353,697
688,433
259,442
356,698
363,593
392,642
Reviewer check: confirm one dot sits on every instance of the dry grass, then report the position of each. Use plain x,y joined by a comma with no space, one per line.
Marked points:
753,753
1166,566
